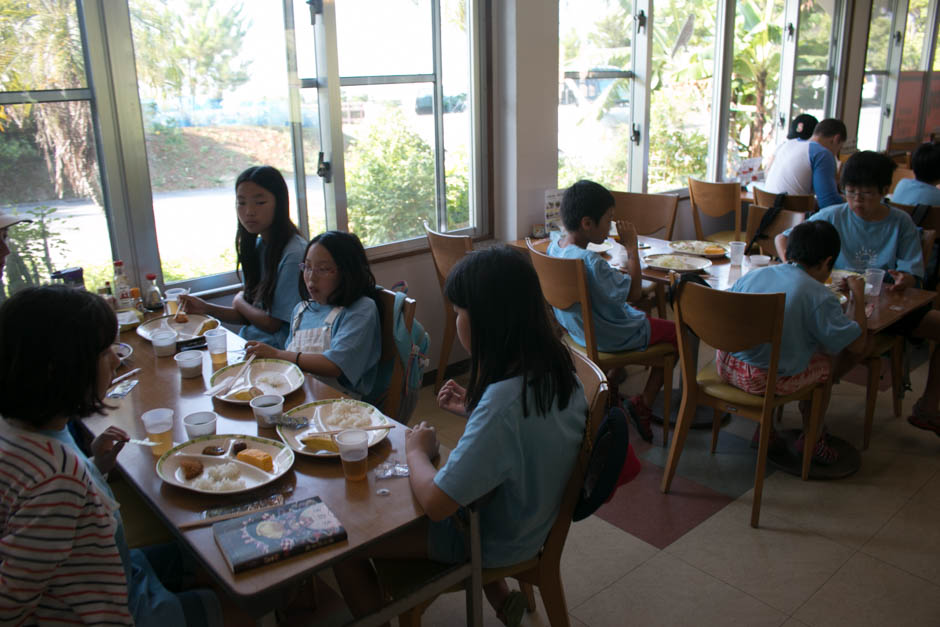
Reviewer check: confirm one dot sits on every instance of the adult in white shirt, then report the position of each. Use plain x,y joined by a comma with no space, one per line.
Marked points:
809,166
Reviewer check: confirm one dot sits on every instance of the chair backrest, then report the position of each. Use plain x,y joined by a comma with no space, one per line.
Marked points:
783,221
899,175
714,200
446,251
728,321
792,202
392,400
649,213
564,284
595,391
927,239
930,221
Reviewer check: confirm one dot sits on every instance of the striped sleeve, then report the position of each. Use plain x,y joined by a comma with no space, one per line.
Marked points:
59,563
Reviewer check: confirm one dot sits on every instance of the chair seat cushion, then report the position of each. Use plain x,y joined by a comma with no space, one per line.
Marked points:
723,237
712,384
611,360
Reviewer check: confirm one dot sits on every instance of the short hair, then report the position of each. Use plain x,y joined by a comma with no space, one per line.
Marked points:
812,241
511,332
867,168
51,338
802,126
352,267
830,127
926,162
584,199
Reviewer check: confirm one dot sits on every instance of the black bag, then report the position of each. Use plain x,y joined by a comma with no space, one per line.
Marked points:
768,219
612,463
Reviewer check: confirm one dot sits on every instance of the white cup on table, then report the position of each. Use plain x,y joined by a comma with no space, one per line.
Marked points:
737,252
874,278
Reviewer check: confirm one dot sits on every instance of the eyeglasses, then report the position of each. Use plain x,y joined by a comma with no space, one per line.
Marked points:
318,270
857,193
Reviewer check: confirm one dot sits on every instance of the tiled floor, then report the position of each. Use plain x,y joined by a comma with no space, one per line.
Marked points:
858,551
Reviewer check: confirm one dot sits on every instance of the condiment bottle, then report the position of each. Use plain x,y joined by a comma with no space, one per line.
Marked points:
153,299
122,287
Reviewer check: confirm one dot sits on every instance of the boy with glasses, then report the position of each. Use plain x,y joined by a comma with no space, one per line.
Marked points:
875,235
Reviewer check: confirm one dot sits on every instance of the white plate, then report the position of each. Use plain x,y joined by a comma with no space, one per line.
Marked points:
271,376
697,247
122,350
601,248
320,414
168,466
837,275
185,330
679,263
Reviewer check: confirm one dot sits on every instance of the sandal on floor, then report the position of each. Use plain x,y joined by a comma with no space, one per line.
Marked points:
641,415
823,454
923,420
513,609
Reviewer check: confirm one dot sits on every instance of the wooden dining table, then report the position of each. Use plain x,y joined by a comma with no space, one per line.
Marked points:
369,510
888,308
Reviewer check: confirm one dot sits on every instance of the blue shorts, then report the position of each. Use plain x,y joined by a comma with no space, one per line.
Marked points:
447,542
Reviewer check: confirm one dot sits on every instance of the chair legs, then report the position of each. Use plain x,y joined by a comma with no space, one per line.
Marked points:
765,427
684,421
553,596
668,367
812,431
661,300
871,394
450,331
897,374
529,593
716,427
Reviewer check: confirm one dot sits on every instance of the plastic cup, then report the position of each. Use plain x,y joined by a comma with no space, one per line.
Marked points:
190,363
164,342
874,277
353,445
216,341
158,423
172,299
200,423
267,409
737,252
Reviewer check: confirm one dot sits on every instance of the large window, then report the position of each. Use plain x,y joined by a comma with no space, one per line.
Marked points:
594,116
681,92
755,72
879,57
49,168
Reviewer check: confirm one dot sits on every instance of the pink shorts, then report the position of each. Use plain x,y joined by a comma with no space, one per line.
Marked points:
753,380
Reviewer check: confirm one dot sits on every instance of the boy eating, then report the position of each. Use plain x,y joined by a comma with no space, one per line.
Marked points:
875,235
586,211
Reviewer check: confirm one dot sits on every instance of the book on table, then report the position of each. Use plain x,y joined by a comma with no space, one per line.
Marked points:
268,536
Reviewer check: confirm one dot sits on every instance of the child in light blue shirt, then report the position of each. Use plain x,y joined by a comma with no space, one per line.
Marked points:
922,189
335,332
814,327
526,414
875,235
586,211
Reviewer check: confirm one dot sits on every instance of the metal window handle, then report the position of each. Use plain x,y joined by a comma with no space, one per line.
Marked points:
635,135
640,21
324,170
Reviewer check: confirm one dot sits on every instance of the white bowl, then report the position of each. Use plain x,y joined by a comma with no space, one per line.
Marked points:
759,260
200,423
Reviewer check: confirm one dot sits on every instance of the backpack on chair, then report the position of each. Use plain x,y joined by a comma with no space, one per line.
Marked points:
412,348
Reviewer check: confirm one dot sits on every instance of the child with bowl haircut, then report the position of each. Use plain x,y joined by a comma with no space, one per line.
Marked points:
586,211
922,189
814,326
875,235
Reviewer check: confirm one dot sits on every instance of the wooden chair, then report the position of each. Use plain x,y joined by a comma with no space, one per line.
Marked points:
544,570
898,176
650,214
805,203
931,222
446,251
732,321
716,200
391,402
564,284
785,219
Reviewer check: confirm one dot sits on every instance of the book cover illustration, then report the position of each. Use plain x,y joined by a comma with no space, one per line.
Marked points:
264,537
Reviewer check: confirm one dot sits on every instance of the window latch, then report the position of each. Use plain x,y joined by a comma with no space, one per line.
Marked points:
316,8
324,170
887,111
898,38
790,30
635,135
782,120
640,20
